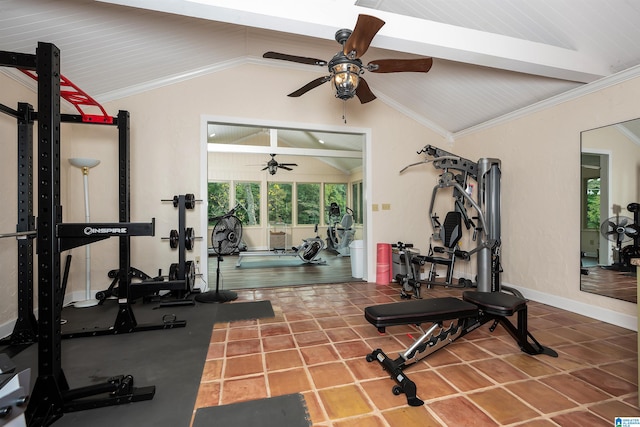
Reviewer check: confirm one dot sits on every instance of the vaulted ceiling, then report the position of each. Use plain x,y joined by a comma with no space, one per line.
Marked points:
491,57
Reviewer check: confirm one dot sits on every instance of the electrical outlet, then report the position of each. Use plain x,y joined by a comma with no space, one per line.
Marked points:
197,263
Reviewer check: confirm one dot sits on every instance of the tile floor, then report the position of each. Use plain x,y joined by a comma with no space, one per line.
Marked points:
610,283
317,343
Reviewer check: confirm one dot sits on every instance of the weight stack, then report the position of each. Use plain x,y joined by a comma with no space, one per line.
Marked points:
383,264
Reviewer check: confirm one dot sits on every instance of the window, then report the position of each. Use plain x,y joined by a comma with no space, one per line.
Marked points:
358,202
593,203
335,193
248,197
308,203
218,194
279,202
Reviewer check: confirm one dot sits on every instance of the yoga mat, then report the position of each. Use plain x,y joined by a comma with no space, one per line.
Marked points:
230,312
383,265
281,411
274,262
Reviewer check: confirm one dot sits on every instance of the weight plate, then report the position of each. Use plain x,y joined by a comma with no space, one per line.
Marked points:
189,201
190,274
189,238
174,239
173,271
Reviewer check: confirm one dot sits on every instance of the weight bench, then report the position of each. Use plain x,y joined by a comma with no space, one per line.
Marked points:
474,310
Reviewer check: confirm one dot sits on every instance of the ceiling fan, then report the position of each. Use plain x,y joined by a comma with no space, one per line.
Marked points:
273,165
346,68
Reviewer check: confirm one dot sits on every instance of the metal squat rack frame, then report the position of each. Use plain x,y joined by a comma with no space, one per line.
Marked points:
51,396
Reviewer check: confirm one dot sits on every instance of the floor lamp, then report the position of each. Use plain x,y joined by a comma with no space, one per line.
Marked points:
85,165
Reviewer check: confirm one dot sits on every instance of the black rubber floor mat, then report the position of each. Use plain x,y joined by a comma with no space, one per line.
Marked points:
282,411
230,312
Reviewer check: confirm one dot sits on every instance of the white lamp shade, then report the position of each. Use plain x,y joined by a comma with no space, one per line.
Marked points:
81,162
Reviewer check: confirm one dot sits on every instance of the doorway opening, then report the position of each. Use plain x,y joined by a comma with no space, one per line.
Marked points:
282,179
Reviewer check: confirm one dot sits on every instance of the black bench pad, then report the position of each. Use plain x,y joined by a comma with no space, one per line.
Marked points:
497,303
419,311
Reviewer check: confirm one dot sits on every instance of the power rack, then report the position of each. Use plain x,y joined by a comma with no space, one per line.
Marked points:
51,396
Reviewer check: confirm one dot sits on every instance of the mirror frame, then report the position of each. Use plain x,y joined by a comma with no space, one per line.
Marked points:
609,152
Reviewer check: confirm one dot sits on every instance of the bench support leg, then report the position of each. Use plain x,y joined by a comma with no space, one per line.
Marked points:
394,368
523,337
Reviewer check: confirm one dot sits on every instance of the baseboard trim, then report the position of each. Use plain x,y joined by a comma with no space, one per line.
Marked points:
592,311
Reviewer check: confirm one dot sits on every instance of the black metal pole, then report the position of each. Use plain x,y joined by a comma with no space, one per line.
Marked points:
182,229
125,320
46,402
26,329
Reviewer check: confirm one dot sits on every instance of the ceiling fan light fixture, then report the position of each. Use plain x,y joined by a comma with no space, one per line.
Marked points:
345,77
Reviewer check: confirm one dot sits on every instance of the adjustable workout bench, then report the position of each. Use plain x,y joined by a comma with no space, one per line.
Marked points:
474,310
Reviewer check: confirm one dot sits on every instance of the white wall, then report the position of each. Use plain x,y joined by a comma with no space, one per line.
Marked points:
625,163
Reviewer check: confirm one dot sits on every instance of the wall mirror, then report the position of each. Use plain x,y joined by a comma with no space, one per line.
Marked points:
610,209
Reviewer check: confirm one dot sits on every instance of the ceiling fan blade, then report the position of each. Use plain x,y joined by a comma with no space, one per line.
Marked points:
293,58
265,168
421,65
311,85
285,168
363,92
365,30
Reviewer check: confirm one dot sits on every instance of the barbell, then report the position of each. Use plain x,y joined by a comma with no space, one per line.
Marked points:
189,201
19,234
189,238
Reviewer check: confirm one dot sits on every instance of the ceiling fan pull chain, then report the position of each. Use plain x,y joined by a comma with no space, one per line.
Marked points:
344,111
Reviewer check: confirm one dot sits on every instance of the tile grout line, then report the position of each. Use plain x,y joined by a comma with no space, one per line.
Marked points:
623,398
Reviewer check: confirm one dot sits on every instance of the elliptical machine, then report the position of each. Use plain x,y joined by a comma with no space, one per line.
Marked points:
340,232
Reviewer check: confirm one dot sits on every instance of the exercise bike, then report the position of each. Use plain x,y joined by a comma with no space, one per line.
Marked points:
340,232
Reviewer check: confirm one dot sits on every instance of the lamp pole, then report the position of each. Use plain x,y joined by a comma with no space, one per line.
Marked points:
84,165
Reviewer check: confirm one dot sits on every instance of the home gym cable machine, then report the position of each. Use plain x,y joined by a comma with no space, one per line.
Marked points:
486,173
51,396
456,174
